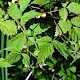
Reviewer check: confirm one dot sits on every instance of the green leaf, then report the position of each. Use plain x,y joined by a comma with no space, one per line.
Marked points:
65,4
73,35
68,72
63,13
73,77
43,40
50,5
51,62
77,47
75,59
3,63
74,8
29,15
62,48
36,52
65,25
45,51
16,43
40,41
13,57
14,12
77,31
76,21
73,69
8,27
31,41
62,72
40,2
6,16
23,4
26,59
36,29
79,42
57,31
1,13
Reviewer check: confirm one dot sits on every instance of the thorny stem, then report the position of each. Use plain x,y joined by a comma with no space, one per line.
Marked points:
19,25
31,53
26,38
24,31
62,35
44,12
35,7
58,30
68,39
52,11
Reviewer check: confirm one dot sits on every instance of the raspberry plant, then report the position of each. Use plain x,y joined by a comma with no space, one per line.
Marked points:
44,38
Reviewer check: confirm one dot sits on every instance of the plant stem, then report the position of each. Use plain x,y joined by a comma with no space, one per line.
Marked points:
2,54
26,38
25,35
68,39
29,76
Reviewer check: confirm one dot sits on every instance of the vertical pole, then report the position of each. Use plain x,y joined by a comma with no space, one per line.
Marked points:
2,54
6,69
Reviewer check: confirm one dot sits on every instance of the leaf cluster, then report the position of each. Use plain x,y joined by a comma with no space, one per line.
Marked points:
44,36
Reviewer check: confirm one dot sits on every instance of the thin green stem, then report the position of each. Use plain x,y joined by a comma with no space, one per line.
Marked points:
35,40
2,54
